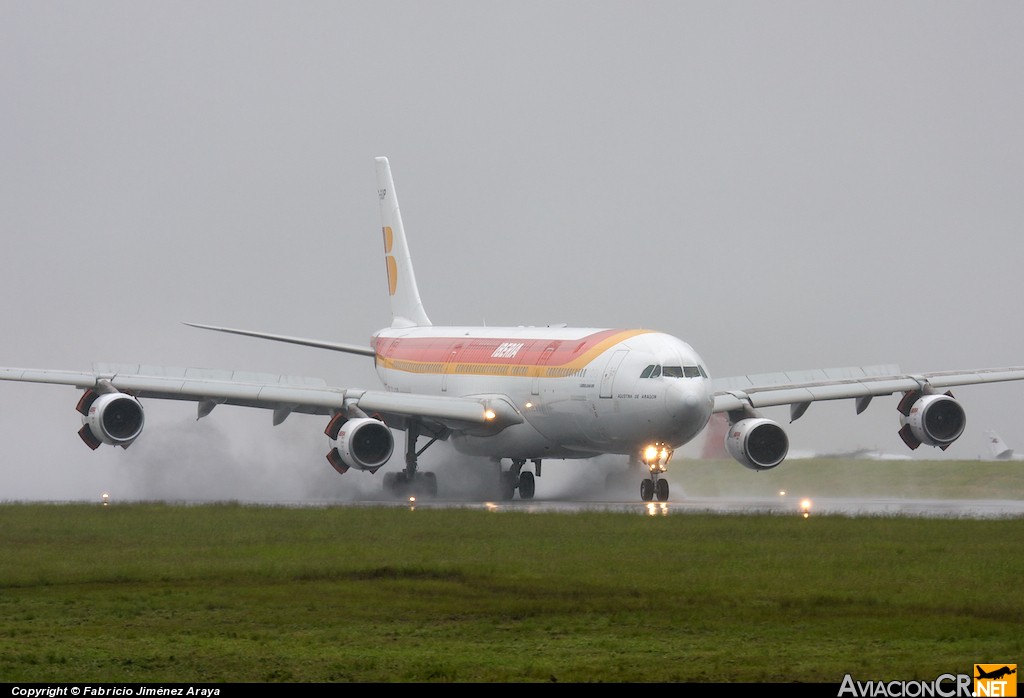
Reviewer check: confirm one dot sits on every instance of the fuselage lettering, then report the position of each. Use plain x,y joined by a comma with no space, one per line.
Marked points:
507,350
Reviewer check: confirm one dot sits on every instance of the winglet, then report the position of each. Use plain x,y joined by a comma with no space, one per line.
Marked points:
406,307
997,447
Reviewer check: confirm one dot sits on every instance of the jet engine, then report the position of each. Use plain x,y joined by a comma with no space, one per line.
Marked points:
758,443
113,418
362,443
932,420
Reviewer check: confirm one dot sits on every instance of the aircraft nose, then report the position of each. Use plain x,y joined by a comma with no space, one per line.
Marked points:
688,401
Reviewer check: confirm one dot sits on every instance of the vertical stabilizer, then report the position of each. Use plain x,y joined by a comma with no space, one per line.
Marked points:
406,306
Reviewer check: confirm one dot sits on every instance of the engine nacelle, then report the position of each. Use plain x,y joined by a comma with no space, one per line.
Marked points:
364,444
115,419
758,443
932,420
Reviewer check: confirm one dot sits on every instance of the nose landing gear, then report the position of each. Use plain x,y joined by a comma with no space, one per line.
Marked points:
656,458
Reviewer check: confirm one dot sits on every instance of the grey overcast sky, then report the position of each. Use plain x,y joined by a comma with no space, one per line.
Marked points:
785,185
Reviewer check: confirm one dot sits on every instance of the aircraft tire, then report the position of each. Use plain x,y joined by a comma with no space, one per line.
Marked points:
401,485
429,484
661,490
646,490
527,485
391,484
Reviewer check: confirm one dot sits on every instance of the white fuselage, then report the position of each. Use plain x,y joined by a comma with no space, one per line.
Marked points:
580,391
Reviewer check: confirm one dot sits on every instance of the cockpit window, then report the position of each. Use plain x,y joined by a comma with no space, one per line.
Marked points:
674,372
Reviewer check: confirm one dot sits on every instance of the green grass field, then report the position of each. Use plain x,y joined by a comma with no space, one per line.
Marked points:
145,592
838,477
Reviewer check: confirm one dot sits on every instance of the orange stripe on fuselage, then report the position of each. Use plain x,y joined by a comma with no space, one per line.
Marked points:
518,356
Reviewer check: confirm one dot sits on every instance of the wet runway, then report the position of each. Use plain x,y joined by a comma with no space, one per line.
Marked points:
786,506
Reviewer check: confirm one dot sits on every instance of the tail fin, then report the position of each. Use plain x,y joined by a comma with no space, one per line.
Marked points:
406,306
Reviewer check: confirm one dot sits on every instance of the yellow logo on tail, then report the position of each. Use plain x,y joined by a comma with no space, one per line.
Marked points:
389,239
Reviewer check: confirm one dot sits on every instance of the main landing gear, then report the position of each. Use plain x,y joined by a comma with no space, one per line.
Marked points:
411,482
514,478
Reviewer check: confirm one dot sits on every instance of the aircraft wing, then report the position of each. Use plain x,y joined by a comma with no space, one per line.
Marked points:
800,388
283,394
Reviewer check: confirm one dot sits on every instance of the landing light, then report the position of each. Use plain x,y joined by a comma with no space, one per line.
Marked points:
489,415
805,507
105,499
656,457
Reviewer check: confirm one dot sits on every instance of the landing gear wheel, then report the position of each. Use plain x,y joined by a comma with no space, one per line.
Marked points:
646,490
661,490
427,484
396,484
527,485
400,484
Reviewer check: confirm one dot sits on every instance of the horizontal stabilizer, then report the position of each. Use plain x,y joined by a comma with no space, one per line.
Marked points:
318,344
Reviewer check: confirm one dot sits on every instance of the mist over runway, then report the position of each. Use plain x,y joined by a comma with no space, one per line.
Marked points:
180,467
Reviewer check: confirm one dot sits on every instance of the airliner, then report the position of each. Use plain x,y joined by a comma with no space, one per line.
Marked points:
998,449
515,395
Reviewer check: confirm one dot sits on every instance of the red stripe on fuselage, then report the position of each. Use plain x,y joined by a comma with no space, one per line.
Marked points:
525,351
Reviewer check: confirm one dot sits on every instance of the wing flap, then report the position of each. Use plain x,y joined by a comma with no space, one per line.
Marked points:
444,409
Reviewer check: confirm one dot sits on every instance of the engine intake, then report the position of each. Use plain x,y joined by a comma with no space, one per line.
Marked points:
115,419
363,443
932,420
757,443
